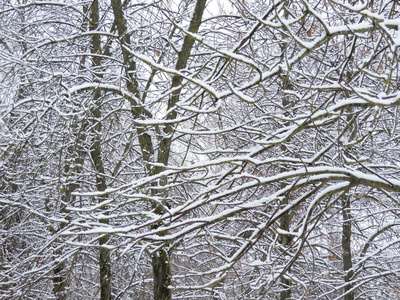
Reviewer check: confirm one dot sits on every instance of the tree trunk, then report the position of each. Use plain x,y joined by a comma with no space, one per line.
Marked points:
286,241
161,275
160,259
96,155
60,281
346,248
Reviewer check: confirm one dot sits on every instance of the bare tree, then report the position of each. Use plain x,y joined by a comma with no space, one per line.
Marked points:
230,150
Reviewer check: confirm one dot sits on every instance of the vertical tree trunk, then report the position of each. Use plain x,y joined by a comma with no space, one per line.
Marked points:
60,281
60,278
286,241
160,259
104,253
101,185
346,250
161,275
96,155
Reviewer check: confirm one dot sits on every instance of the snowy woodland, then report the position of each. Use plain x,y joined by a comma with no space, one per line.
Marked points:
199,149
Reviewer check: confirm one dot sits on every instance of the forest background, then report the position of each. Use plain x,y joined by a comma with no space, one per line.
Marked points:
199,149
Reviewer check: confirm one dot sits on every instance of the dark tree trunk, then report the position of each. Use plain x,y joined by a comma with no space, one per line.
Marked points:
160,259
161,275
346,248
96,155
286,241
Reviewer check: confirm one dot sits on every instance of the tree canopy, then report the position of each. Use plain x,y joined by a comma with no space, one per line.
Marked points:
199,149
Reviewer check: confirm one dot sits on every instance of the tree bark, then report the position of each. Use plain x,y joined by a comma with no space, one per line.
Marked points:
161,275
96,156
286,241
346,250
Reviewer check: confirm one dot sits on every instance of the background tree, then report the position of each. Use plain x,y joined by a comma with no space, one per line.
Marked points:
154,149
